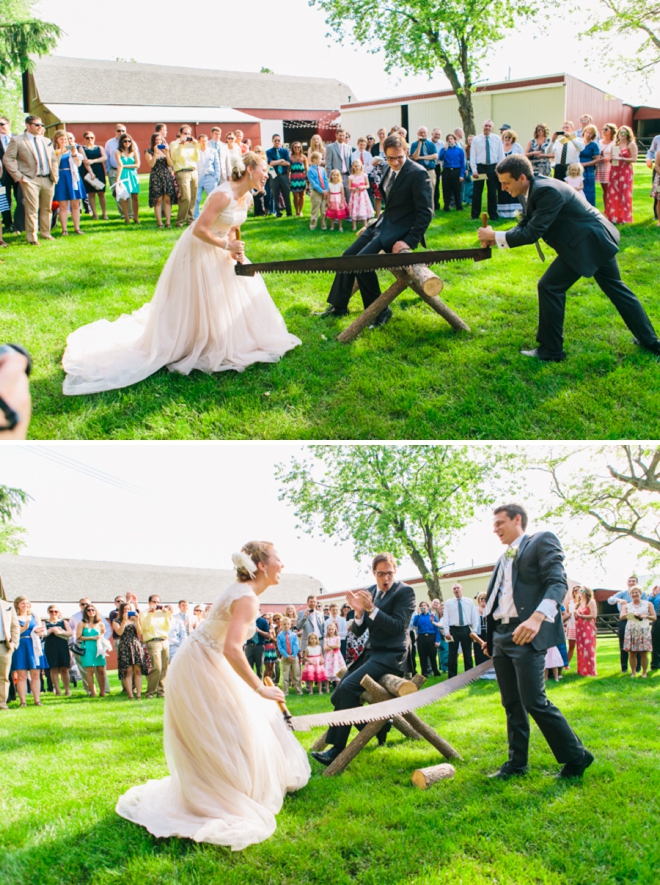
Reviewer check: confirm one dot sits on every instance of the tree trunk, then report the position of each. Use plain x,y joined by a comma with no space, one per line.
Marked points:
424,777
397,686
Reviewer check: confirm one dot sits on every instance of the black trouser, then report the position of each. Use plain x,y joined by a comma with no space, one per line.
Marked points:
348,692
255,655
655,638
560,171
436,188
428,656
552,287
342,286
281,185
478,189
461,637
452,186
520,671
411,660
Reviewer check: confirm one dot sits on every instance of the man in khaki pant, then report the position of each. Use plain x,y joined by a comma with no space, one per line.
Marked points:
156,625
10,636
185,154
32,162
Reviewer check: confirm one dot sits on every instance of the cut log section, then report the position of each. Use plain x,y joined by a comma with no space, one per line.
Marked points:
418,680
397,686
374,694
424,777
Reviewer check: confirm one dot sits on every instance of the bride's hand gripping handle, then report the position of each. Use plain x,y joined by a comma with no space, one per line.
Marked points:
273,693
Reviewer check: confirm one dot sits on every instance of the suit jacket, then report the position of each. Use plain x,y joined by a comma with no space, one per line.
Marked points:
538,574
20,158
388,631
333,154
578,232
408,207
310,625
10,623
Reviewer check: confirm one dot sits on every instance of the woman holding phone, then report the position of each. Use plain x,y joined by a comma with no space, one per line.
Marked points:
162,188
131,659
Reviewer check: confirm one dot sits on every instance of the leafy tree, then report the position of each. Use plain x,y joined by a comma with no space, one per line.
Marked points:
21,38
410,500
424,36
11,504
626,18
618,493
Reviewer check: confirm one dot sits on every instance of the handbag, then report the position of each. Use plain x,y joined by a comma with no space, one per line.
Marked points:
94,181
121,191
78,648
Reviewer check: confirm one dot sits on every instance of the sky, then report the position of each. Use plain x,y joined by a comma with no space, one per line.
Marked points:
197,503
289,38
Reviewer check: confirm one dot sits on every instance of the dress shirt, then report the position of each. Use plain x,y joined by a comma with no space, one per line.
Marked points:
653,150
184,155
573,148
453,158
365,158
451,614
155,625
279,154
503,605
208,163
182,626
317,178
623,596
223,154
438,145
43,166
5,140
428,155
500,235
424,623
478,150
110,148
281,643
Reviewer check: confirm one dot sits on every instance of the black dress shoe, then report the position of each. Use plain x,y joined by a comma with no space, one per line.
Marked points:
382,734
538,354
654,348
507,771
383,317
327,757
332,312
576,769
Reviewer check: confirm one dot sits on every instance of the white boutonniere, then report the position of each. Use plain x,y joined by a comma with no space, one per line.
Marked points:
512,553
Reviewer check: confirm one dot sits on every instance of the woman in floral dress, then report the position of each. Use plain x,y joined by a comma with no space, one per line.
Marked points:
639,614
131,657
619,206
162,184
585,632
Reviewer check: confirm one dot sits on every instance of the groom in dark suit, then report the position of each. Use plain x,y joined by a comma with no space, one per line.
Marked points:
385,610
523,620
586,244
402,225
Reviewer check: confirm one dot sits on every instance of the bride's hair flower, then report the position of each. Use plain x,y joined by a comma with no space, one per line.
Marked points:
243,561
237,165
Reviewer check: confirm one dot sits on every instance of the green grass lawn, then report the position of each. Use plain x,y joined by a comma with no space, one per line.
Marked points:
415,379
63,766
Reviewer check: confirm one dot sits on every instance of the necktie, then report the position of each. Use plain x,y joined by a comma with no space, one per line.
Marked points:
390,181
488,150
186,626
564,154
287,639
461,621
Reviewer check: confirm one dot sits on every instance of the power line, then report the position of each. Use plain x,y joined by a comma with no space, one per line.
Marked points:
86,469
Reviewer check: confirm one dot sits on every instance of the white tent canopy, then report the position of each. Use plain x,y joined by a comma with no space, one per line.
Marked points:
104,113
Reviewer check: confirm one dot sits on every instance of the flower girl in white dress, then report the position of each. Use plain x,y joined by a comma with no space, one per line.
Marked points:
202,315
231,756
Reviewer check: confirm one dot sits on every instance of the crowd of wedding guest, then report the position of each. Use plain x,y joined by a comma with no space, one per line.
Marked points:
301,649
47,178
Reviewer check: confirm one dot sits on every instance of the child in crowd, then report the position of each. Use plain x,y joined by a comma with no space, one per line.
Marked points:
575,178
334,661
336,210
655,188
288,647
270,648
314,670
359,206
318,189
553,662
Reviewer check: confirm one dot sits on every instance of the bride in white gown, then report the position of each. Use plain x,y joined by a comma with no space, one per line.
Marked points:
230,754
202,315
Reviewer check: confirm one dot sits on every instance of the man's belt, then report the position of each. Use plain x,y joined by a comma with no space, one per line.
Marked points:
155,639
187,169
362,263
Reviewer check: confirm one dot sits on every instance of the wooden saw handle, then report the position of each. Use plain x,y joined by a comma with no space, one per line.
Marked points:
283,707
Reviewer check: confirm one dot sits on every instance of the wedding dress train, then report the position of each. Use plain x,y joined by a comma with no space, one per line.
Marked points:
230,754
202,316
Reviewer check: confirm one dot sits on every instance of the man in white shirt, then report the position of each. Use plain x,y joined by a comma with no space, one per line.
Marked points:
486,152
223,154
182,625
338,156
208,171
460,618
436,138
565,148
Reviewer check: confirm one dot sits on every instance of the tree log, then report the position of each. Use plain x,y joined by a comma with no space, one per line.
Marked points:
376,695
320,743
418,679
397,686
421,278
369,315
431,736
358,743
431,299
424,777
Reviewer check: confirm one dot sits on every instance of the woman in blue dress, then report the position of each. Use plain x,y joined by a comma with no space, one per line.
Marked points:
589,158
69,187
28,658
88,632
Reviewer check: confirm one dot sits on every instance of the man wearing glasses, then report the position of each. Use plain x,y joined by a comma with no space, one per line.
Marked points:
111,146
385,610
406,189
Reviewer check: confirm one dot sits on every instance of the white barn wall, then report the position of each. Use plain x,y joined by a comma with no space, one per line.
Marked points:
363,121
